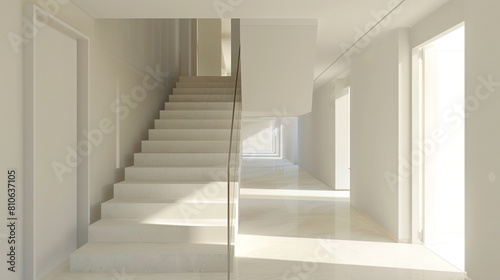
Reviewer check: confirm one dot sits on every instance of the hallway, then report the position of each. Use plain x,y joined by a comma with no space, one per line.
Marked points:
292,226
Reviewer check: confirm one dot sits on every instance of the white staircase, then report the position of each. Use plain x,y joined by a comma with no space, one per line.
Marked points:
170,213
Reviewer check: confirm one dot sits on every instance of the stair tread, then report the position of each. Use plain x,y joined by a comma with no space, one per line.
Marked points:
208,82
202,102
206,77
177,130
184,141
203,95
179,166
198,111
203,119
190,129
160,200
211,88
169,182
160,222
187,154
151,248
198,105
66,275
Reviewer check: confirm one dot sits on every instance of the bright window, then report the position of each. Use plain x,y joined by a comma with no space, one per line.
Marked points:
261,137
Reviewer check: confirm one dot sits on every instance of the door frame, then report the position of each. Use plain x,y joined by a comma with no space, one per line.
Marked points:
37,16
418,126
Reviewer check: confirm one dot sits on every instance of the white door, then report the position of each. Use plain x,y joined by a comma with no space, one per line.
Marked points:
55,132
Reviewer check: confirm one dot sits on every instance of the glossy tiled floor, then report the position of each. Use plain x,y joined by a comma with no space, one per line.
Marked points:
292,226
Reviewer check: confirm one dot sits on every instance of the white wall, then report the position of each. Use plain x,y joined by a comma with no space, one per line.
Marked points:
11,118
194,47
376,93
316,130
127,52
290,137
235,45
226,46
277,66
119,60
316,147
12,115
482,138
445,18
209,47
186,43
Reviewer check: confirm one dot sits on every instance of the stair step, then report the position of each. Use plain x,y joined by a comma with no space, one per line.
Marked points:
185,159
201,98
196,114
199,84
194,124
191,190
150,257
169,217
185,146
204,91
197,232
162,208
63,272
176,173
224,79
199,106
123,275
190,134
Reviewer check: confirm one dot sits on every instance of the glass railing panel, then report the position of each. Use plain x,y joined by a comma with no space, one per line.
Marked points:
233,174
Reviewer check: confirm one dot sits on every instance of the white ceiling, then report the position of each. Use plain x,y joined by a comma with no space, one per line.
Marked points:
338,20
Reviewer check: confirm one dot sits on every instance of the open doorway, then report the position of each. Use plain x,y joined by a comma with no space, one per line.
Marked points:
342,140
439,145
